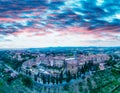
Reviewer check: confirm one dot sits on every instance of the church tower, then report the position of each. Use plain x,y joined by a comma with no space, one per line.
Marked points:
75,55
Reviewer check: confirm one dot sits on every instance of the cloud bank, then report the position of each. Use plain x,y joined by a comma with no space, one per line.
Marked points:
59,23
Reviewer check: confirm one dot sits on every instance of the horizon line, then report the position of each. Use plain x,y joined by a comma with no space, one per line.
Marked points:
60,47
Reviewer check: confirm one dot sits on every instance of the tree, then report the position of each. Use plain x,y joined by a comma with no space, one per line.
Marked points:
29,72
57,80
74,76
53,80
61,77
9,80
35,77
96,66
44,79
90,65
27,81
66,87
110,62
68,76
78,72
83,70
48,79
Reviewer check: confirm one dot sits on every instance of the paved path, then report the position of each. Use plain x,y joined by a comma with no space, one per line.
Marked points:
11,69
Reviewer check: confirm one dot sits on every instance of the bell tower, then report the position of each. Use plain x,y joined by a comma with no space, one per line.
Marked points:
75,55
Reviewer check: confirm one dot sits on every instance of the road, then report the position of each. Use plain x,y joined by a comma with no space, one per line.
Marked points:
11,69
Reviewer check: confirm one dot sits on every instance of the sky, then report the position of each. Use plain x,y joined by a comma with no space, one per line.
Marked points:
51,23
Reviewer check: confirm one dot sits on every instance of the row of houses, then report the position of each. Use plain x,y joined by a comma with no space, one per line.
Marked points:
42,63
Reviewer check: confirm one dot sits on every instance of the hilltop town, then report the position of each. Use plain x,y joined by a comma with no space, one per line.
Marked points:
57,69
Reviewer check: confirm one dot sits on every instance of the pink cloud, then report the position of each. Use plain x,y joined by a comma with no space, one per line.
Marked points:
97,33
33,31
13,19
